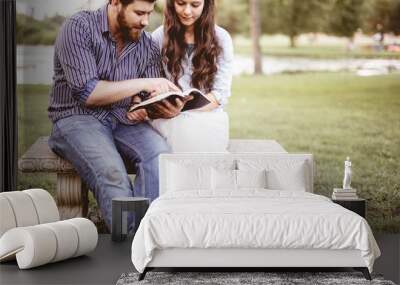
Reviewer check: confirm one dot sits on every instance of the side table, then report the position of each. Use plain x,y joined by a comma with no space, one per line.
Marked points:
120,208
358,206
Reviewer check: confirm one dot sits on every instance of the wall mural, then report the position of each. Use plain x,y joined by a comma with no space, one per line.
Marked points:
326,88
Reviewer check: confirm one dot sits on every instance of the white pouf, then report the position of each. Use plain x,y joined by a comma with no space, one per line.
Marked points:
30,230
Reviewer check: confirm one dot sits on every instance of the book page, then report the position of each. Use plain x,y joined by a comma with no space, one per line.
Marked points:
188,91
161,97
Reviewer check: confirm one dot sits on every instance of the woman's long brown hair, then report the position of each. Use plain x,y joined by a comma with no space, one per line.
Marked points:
206,47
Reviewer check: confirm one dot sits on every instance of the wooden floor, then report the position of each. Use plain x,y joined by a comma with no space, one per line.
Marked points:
110,260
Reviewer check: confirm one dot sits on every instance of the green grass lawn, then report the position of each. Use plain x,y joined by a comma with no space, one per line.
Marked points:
278,46
331,115
318,52
33,123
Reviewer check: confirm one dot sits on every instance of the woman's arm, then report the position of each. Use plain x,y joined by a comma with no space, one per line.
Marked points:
221,90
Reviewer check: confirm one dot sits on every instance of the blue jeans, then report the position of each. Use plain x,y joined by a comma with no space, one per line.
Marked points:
95,150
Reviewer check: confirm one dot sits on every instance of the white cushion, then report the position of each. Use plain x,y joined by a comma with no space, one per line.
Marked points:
23,208
32,246
7,220
195,131
293,178
87,235
183,177
223,179
40,244
66,237
228,180
285,165
282,174
45,205
26,208
255,179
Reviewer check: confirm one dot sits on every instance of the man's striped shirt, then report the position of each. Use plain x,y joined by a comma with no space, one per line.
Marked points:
84,54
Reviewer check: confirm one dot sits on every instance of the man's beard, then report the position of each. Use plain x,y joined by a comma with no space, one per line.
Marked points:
126,32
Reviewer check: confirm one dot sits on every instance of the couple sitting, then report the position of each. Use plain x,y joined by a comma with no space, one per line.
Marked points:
104,62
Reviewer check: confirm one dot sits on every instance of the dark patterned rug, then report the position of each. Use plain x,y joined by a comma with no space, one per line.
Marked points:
244,278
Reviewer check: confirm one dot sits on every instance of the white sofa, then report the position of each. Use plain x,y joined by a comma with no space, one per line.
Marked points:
31,231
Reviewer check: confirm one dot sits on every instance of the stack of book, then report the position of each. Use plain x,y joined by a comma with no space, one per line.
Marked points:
344,194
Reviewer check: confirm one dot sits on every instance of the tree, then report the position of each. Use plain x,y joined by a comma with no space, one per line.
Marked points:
30,31
233,15
394,21
255,35
294,17
346,17
379,15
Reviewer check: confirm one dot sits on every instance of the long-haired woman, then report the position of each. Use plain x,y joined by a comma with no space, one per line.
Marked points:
196,53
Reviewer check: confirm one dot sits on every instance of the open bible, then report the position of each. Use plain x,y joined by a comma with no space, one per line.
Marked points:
199,100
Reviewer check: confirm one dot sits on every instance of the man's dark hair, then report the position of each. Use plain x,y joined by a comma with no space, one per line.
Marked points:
127,2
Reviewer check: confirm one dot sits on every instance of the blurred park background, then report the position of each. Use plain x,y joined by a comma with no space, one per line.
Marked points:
318,76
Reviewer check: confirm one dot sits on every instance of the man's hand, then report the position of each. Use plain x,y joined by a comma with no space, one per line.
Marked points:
138,115
166,110
157,86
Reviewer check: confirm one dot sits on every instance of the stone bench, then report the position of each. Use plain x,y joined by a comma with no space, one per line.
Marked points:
72,193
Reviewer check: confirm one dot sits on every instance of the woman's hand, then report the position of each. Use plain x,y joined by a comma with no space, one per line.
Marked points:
166,110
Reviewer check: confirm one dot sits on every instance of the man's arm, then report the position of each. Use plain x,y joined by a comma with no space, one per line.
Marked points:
163,109
78,62
108,92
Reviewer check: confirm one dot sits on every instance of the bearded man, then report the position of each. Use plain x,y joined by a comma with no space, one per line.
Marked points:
103,62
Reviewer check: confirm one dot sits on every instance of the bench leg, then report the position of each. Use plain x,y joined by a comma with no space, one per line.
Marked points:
72,199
